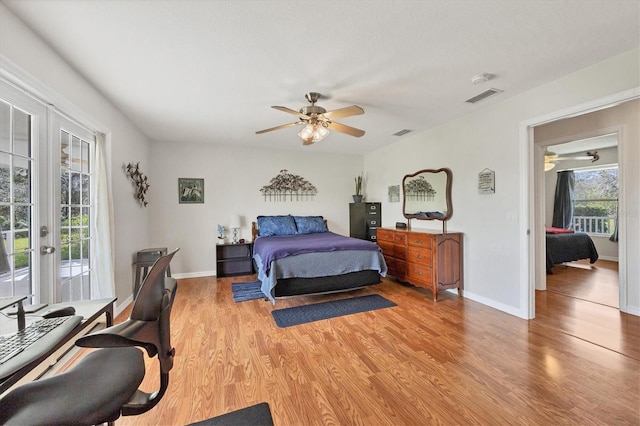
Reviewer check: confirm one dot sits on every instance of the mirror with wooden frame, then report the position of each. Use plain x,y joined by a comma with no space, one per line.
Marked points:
427,195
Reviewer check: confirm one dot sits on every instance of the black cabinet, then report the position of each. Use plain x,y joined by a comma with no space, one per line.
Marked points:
234,259
364,220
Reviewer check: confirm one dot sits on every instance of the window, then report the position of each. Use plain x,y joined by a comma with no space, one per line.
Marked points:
595,201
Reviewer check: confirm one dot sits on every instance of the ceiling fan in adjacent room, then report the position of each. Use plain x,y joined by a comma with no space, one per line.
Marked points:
551,158
318,120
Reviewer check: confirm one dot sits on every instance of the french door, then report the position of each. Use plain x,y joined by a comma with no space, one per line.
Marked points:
45,204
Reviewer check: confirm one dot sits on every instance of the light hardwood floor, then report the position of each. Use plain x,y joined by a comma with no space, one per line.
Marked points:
450,362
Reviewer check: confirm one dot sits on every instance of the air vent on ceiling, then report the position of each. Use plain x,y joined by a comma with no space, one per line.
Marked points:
483,95
401,132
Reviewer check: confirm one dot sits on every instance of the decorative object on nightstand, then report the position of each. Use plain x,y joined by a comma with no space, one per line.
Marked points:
357,197
234,259
235,222
220,234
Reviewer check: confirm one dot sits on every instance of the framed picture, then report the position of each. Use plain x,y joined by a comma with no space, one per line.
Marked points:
190,190
394,194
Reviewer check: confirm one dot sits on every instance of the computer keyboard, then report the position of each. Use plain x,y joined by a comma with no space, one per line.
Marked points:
12,345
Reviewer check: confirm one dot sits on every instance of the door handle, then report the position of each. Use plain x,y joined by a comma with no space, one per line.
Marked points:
47,250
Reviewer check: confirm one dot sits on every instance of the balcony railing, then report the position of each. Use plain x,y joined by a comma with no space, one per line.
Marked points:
594,225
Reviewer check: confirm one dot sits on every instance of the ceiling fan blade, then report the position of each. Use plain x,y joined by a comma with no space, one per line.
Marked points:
290,111
345,129
284,126
344,112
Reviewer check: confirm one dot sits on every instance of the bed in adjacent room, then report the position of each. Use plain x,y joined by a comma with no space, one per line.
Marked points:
564,245
297,255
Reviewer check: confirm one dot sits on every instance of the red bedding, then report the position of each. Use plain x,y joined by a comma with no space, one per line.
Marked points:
551,230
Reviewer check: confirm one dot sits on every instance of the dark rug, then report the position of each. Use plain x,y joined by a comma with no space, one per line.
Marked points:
325,310
256,415
246,291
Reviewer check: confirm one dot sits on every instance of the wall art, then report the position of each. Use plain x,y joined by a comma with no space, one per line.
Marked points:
487,182
140,181
394,194
190,190
288,187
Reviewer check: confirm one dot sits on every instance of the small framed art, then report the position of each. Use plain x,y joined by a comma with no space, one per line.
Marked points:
190,191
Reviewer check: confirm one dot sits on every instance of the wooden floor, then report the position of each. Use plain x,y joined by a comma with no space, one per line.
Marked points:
451,362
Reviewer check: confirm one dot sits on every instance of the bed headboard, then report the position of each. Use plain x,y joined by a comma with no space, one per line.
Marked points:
254,229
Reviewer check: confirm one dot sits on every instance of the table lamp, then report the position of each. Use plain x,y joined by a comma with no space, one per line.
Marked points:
235,222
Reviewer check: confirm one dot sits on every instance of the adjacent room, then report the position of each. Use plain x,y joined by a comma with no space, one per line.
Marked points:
319,213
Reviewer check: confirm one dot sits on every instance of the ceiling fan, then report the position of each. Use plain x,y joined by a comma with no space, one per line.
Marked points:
551,158
318,120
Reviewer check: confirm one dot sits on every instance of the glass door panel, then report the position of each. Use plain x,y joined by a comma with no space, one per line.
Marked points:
17,201
76,212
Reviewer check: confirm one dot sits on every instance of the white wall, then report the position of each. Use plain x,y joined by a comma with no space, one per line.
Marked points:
21,47
494,225
233,177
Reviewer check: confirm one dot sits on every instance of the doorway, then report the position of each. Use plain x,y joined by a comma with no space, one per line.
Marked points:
532,160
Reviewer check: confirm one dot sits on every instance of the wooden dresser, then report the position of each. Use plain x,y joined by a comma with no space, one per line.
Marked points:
424,258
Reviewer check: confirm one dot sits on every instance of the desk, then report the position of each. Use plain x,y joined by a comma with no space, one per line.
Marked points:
145,260
90,310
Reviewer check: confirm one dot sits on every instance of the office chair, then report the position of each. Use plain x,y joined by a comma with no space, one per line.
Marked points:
104,384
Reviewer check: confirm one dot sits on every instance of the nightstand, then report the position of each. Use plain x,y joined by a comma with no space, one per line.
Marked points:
234,259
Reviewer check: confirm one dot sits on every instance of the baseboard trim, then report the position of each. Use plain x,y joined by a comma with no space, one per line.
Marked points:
493,304
194,274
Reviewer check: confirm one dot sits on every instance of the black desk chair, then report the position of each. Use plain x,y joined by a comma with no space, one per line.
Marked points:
104,384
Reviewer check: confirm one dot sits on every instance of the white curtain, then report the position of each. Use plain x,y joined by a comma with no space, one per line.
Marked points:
102,281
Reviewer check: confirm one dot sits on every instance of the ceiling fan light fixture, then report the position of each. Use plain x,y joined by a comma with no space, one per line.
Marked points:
313,133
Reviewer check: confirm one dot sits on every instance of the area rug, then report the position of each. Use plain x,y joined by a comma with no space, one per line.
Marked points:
246,291
256,415
336,308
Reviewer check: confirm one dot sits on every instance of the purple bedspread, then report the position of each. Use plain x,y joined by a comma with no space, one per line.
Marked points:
277,247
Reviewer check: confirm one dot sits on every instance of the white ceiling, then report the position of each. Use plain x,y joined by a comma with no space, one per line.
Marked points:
208,71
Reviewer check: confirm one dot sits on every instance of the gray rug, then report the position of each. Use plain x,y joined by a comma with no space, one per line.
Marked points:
256,415
246,291
318,311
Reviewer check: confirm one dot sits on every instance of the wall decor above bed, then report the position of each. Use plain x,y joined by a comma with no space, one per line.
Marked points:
288,187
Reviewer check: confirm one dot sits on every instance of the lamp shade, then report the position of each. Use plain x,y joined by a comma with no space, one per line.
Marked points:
235,221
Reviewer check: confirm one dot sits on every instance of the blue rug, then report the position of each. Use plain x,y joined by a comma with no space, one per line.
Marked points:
247,291
325,310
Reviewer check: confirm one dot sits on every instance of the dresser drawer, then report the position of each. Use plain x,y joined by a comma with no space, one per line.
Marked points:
420,274
400,238
420,255
400,252
420,240
391,265
386,246
385,235
401,270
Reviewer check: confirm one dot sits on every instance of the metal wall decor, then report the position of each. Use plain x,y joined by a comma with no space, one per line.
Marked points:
140,181
419,189
288,187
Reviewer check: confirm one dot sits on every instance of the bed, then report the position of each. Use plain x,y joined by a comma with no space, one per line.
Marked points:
298,255
567,246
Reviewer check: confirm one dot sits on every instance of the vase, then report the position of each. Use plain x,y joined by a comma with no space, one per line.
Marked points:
357,198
